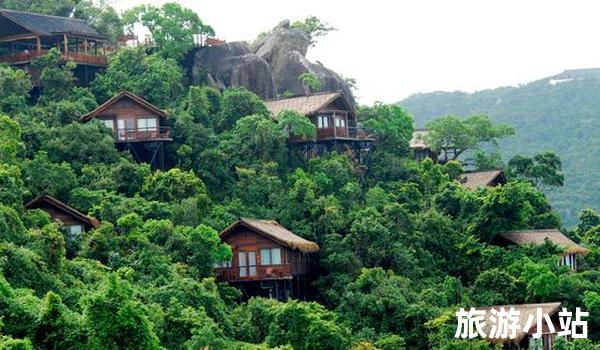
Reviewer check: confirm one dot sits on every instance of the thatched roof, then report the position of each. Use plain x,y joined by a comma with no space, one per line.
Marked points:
538,237
306,105
475,179
46,25
124,94
273,230
39,201
418,139
525,310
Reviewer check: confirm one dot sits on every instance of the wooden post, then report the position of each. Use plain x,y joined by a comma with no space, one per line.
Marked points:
85,45
38,44
334,125
66,45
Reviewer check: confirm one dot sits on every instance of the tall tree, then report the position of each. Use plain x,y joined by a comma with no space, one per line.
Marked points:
451,136
172,26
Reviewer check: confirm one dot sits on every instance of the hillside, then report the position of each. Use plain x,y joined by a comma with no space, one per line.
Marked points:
559,114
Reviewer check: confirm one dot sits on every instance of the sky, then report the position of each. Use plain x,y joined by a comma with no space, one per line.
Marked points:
396,48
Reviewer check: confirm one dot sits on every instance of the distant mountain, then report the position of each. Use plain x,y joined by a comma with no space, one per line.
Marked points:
559,114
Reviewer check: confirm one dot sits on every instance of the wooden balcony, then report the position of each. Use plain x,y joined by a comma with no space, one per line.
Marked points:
256,273
336,133
77,57
140,135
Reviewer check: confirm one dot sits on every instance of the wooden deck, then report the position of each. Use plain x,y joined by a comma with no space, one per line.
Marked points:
125,135
255,273
335,133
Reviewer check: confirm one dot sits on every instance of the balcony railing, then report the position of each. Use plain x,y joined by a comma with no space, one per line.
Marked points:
254,272
143,134
338,132
77,57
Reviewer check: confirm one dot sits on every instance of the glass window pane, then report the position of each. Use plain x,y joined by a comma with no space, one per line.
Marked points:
108,123
252,263
265,257
242,264
276,256
151,123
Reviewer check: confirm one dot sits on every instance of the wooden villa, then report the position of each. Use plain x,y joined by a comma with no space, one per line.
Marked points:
136,124
335,119
268,259
475,179
25,36
72,221
537,237
419,146
524,339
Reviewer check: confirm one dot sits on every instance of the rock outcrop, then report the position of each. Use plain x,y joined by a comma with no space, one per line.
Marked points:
269,67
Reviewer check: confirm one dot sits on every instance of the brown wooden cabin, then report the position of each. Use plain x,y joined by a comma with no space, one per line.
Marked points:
525,339
475,179
136,124
334,117
25,36
72,221
332,114
268,259
419,146
537,237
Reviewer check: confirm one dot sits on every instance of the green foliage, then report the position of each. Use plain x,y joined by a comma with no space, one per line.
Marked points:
80,144
157,79
391,126
556,118
236,104
14,89
296,124
41,176
543,170
451,136
116,319
10,140
402,243
313,27
56,79
307,326
172,26
310,82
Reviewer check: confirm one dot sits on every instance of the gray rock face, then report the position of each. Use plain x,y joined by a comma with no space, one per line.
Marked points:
269,67
232,65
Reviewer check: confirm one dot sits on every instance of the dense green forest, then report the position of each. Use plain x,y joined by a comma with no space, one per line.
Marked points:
562,118
403,245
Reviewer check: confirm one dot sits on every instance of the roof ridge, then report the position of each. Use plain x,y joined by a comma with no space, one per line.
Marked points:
43,15
320,93
534,230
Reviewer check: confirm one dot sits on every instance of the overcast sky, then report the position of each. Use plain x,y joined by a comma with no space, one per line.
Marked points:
397,48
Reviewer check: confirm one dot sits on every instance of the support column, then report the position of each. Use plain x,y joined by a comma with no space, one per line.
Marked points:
38,45
66,41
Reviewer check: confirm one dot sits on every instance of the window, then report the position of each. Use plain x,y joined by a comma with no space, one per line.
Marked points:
270,256
146,124
322,122
74,231
109,123
223,264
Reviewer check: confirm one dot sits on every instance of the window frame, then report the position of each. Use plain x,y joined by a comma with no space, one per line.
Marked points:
269,252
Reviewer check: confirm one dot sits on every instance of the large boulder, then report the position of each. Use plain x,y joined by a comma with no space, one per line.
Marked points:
270,67
232,65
